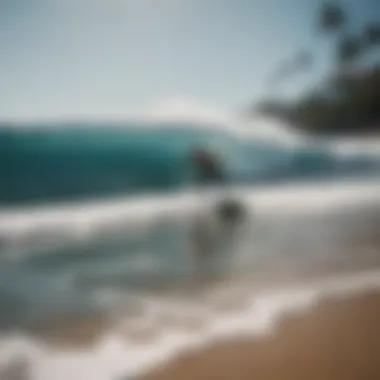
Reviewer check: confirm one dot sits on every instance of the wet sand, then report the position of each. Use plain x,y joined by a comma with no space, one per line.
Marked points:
87,331
338,340
68,331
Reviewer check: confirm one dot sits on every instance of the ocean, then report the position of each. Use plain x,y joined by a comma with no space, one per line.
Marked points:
95,218
56,163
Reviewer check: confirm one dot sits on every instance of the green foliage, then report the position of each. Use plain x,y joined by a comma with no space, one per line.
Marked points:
349,49
331,17
371,35
356,109
350,101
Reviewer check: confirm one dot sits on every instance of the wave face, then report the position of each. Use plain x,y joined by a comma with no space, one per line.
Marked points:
42,163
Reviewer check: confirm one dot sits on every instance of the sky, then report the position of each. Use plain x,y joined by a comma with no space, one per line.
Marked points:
117,58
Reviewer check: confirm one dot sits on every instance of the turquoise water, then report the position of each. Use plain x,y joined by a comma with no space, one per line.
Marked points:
100,257
45,163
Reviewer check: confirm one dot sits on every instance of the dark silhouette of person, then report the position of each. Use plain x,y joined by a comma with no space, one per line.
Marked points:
209,171
207,167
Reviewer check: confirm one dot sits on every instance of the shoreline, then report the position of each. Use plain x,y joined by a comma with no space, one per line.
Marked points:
167,333
76,329
339,339
176,344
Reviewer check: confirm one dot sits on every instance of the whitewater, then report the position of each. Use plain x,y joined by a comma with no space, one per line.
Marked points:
311,205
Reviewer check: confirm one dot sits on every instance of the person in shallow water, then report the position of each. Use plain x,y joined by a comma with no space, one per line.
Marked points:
228,212
209,171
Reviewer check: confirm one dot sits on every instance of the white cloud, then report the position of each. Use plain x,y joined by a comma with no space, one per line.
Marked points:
181,109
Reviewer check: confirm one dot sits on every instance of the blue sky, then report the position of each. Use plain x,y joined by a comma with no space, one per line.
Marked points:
93,57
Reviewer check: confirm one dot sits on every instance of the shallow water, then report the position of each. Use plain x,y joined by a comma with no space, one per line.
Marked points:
104,160
104,290
81,259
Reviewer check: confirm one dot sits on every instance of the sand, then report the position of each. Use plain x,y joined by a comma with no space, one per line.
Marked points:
72,332
338,340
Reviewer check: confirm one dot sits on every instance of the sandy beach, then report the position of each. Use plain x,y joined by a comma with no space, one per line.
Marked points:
338,340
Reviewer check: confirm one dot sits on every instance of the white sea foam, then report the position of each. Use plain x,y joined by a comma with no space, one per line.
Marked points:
81,220
116,357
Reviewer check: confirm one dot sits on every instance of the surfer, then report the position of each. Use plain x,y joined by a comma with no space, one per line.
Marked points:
209,171
207,166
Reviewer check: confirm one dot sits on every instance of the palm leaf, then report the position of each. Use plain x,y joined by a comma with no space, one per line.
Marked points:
349,49
371,34
332,17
